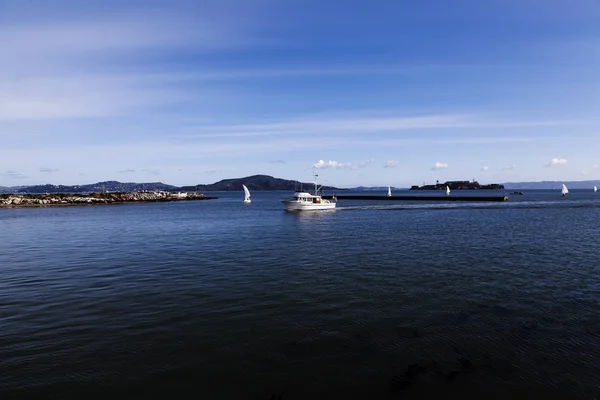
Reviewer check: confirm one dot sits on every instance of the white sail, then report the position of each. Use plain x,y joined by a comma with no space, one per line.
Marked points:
595,189
447,190
564,190
389,193
246,194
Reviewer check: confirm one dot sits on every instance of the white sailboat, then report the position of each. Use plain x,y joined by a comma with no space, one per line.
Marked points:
246,195
595,189
447,190
564,190
389,193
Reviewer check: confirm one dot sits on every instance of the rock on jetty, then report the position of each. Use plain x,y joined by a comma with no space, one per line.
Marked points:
8,200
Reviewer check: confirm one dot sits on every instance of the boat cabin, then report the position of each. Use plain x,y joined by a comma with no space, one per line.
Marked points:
307,197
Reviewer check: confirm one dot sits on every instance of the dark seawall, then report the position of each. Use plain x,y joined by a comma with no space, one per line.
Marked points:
420,198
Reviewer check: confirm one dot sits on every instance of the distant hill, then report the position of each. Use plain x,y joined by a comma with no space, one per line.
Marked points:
109,186
552,184
12,189
254,182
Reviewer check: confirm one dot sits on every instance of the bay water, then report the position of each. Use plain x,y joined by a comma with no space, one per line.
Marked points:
219,300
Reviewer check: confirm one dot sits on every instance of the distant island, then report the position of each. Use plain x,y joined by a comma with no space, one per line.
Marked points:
254,182
459,185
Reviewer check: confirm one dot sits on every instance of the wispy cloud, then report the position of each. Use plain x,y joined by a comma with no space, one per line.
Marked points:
89,62
214,26
126,171
391,164
346,126
151,171
484,168
556,161
277,162
439,165
509,167
214,171
596,166
331,164
48,170
340,165
83,96
14,175
363,164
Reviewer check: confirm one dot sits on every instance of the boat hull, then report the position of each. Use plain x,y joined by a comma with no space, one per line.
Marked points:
291,205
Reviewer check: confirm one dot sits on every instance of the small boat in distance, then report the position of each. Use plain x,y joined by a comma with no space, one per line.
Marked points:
447,190
389,193
304,201
564,190
246,195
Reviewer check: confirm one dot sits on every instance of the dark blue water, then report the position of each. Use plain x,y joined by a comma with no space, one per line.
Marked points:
221,300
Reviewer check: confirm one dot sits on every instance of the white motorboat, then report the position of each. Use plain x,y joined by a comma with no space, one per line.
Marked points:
304,201
246,195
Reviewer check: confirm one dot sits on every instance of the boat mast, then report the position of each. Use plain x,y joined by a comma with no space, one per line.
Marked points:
316,190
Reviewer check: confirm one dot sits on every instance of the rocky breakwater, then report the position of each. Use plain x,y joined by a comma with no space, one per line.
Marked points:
19,200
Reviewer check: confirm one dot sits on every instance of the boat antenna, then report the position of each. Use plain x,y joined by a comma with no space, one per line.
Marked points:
323,185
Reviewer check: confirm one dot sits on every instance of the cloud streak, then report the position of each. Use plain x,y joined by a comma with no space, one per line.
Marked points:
556,161
100,33
48,170
347,126
89,61
321,164
331,164
439,165
391,164
509,167
14,175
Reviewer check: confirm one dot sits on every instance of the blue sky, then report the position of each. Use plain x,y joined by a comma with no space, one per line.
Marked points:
364,93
